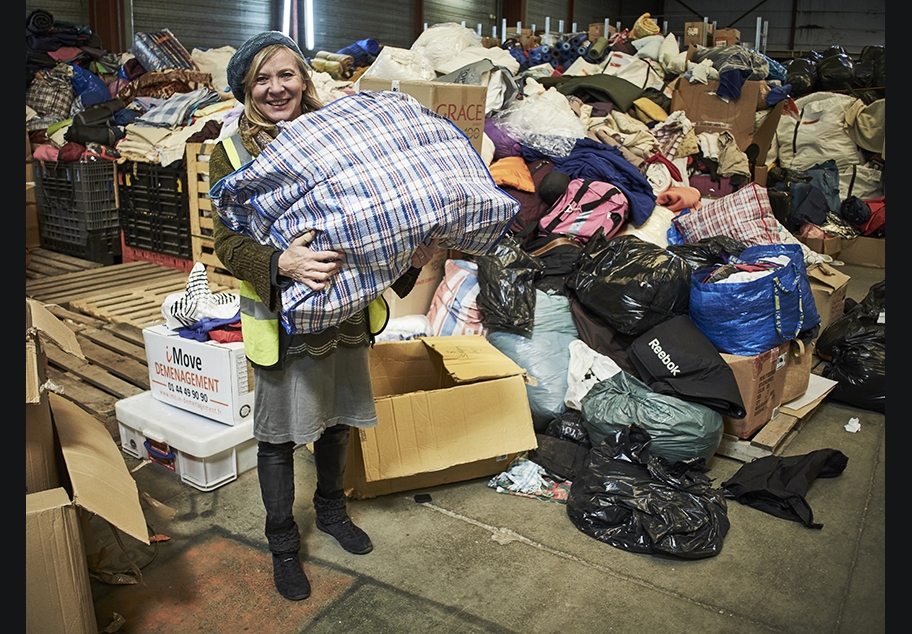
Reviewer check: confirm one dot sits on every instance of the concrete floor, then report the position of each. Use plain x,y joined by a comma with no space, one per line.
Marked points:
475,561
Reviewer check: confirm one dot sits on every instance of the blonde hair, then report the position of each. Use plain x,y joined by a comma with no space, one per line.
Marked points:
310,101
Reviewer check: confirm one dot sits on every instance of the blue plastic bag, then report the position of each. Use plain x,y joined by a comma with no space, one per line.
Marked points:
749,318
545,355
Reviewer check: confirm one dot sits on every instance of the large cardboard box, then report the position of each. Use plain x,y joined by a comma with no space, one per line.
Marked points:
726,37
694,34
824,246
209,378
864,251
450,409
72,467
761,381
829,288
710,113
463,104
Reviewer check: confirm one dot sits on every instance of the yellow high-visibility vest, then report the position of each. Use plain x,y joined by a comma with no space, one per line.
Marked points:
259,325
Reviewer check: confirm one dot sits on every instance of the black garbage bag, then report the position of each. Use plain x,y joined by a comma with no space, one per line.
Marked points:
564,447
639,502
854,347
860,370
801,73
877,56
864,74
708,252
632,285
836,72
506,291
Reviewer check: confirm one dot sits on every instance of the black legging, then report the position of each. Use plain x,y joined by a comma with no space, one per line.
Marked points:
275,467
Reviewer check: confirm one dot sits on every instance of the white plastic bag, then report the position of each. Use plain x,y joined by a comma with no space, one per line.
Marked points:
587,367
440,43
401,63
545,122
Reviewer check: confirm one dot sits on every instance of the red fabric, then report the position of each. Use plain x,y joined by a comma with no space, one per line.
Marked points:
229,334
878,221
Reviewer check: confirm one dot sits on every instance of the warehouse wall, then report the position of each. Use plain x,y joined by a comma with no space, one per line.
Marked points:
793,26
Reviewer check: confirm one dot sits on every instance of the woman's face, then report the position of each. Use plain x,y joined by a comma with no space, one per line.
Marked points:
278,87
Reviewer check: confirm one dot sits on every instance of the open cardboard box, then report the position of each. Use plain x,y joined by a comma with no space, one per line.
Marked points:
710,113
761,381
829,287
73,467
450,409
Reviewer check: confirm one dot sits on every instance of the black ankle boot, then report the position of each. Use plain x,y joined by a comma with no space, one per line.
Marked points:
332,518
289,577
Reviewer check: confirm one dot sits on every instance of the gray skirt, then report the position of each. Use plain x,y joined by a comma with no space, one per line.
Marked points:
298,403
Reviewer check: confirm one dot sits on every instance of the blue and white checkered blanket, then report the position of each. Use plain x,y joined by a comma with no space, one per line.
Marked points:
376,174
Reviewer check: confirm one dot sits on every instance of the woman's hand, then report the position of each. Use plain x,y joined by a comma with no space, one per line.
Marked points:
303,264
425,253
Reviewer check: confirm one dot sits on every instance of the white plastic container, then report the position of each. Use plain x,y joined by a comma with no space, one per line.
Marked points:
205,453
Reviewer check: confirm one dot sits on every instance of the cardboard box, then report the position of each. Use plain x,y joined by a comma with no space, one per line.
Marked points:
726,37
829,288
761,381
597,30
450,409
710,113
694,34
72,467
418,302
864,251
208,378
823,246
463,104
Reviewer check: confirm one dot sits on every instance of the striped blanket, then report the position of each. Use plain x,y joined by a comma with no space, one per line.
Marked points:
376,174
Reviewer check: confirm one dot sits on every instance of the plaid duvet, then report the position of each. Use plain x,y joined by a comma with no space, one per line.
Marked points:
376,174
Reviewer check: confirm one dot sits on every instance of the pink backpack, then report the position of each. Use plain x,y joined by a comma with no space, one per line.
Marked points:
586,206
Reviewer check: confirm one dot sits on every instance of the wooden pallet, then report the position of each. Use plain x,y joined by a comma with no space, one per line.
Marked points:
130,293
114,367
41,263
201,214
771,439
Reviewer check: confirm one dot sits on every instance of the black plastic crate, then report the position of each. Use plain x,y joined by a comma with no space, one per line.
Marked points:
152,188
81,197
102,246
155,208
157,232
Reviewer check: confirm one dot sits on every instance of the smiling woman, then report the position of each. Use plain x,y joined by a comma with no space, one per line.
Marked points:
308,388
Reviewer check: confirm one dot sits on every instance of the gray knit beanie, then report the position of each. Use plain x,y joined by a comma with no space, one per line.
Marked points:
240,61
